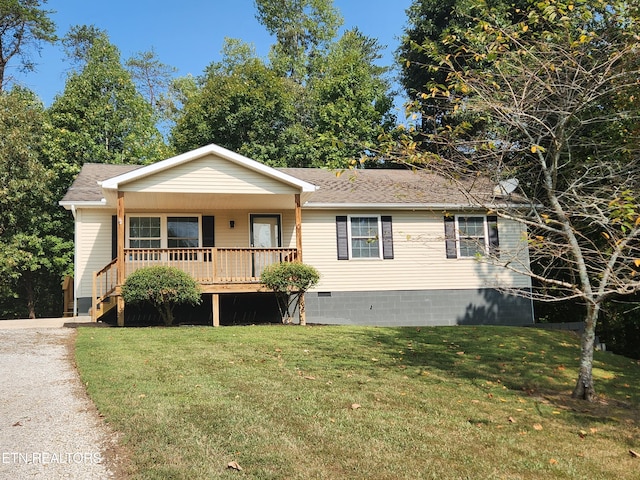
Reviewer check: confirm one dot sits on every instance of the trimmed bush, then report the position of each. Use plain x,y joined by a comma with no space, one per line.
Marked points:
289,281
162,287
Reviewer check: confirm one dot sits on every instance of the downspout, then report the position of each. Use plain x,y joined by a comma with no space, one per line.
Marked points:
75,264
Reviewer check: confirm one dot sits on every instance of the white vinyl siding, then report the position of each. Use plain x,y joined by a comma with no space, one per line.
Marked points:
93,247
209,175
419,260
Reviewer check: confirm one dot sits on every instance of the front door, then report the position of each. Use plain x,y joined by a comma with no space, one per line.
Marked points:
265,233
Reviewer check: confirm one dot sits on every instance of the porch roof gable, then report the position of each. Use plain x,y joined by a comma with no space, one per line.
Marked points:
116,182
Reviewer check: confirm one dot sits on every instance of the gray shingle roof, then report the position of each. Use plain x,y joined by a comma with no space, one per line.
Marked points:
386,186
393,187
85,187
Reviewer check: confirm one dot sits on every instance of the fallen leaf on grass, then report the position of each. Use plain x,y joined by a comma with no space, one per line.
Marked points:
634,454
355,406
511,420
537,426
309,377
234,465
553,461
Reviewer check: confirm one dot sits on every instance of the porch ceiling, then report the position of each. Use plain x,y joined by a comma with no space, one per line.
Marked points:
203,202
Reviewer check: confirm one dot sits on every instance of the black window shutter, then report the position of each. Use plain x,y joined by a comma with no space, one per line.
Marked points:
494,241
342,237
114,237
387,238
450,237
208,238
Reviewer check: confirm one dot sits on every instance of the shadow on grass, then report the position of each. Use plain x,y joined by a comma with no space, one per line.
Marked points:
530,362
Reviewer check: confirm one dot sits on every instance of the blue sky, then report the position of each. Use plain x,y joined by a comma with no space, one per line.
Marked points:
189,34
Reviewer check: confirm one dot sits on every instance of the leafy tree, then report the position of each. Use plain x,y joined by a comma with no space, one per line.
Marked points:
100,117
78,41
152,78
162,287
23,25
289,281
431,21
242,105
245,105
302,28
34,252
352,103
558,91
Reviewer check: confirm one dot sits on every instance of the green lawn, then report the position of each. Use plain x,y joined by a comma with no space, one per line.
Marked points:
353,402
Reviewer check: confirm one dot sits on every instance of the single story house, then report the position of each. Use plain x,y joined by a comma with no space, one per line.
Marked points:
393,247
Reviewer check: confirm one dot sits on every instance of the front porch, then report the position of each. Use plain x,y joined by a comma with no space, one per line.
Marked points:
217,270
217,215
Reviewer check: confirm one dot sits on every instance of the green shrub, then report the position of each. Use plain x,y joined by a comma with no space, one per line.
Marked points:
289,281
162,287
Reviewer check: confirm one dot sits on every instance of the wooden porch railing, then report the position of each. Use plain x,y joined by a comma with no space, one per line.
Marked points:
104,285
208,266
211,265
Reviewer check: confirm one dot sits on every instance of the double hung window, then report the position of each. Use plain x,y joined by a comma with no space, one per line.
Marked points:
364,234
468,236
364,237
144,232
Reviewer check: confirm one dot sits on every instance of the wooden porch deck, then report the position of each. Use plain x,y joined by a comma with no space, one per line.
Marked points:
217,270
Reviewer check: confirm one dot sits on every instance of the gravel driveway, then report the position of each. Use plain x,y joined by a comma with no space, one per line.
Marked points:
49,428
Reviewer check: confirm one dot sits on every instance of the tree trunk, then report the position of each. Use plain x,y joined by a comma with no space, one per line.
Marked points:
168,315
31,298
584,387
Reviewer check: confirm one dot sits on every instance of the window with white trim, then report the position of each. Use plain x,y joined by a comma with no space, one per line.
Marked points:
471,235
364,237
467,236
162,231
144,232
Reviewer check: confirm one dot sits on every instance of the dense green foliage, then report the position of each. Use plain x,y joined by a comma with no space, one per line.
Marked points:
319,101
303,29
289,281
242,105
162,287
100,117
35,246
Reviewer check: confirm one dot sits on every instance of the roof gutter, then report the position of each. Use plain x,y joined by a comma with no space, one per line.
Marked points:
404,206
70,205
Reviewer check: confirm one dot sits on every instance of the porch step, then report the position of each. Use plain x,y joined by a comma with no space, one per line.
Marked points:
104,307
